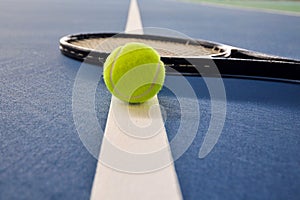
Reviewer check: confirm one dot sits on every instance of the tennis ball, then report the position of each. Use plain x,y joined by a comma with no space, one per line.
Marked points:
134,72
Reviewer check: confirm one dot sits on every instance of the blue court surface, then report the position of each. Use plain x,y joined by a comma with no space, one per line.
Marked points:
41,155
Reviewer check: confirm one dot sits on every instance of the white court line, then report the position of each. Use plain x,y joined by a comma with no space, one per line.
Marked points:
252,9
114,184
134,20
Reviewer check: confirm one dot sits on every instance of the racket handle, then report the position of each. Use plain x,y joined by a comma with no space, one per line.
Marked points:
235,67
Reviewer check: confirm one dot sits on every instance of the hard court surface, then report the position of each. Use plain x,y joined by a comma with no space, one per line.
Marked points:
41,155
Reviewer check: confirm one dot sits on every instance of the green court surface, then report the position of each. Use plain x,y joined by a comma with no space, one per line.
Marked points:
289,6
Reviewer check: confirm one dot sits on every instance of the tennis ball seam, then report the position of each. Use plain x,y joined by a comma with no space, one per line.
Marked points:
145,92
151,86
111,71
112,67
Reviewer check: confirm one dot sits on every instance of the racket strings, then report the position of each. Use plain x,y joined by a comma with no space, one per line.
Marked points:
164,48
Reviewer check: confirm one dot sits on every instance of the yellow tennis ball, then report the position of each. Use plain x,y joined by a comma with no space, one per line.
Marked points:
134,72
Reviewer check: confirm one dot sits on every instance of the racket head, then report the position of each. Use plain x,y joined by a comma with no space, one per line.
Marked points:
95,47
186,56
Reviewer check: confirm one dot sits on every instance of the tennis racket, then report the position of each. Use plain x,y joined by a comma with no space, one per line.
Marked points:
187,56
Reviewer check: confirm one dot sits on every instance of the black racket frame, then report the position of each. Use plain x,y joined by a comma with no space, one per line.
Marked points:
230,61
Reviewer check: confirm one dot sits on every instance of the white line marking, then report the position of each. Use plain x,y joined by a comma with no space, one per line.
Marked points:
114,184
134,21
236,7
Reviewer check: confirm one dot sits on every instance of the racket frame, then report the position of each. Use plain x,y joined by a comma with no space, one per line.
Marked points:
230,61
